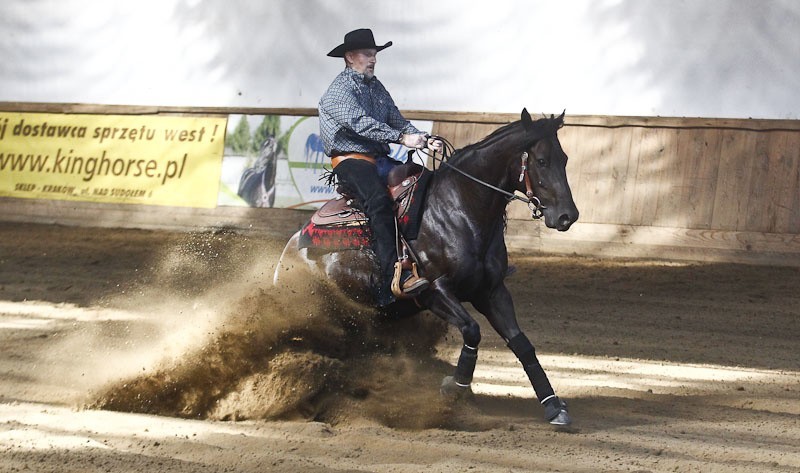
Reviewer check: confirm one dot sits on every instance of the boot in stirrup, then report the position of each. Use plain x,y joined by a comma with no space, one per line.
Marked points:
407,283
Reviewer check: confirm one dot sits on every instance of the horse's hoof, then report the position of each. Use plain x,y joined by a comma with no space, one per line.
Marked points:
451,389
555,412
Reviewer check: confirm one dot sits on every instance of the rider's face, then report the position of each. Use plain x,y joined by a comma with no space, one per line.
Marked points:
363,61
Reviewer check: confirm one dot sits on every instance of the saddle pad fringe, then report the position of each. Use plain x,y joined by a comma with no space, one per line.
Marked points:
335,237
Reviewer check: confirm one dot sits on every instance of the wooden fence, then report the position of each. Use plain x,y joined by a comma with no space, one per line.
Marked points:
698,189
673,188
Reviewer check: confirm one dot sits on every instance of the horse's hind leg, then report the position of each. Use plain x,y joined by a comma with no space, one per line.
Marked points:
461,380
449,308
499,310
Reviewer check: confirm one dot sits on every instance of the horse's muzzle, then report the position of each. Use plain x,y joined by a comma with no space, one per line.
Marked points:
561,221
564,222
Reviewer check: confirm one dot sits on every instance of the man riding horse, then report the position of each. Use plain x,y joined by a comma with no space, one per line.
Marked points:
358,119
460,239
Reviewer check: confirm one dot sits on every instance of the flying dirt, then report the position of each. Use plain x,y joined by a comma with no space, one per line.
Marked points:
134,351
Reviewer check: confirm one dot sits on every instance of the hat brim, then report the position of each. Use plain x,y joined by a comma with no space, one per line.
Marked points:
339,51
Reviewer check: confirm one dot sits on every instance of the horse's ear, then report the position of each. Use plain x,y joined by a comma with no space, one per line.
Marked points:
527,122
560,119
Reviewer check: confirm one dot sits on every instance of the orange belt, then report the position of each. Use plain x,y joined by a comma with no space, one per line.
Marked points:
338,159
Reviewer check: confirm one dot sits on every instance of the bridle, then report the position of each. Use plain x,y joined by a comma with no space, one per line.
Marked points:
533,202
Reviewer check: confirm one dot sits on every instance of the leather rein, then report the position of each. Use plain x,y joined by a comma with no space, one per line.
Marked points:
533,202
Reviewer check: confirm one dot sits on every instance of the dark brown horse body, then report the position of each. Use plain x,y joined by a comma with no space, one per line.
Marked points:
461,247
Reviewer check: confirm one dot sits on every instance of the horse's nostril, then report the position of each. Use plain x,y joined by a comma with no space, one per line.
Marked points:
564,222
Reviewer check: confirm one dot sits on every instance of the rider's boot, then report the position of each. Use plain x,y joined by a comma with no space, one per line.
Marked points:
412,284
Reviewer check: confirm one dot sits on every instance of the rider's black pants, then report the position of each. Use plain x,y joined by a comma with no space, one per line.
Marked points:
360,179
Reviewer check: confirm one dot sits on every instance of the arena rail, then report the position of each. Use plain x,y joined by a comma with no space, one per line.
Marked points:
675,188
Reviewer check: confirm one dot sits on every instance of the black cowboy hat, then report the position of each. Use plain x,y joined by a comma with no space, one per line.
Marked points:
357,39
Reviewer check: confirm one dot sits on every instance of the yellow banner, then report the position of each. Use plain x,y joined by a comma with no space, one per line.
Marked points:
132,159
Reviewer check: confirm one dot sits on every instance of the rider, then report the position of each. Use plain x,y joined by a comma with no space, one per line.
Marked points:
357,120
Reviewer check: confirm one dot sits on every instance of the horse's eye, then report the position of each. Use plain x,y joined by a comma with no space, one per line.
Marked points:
541,162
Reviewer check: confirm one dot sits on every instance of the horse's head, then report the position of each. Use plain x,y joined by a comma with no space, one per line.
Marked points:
268,146
546,167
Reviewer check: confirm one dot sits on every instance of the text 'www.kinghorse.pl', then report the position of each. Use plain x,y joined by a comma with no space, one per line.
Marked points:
66,163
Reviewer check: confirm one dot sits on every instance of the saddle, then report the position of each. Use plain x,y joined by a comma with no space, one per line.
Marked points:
339,224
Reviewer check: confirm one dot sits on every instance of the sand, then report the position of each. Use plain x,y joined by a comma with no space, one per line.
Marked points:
141,351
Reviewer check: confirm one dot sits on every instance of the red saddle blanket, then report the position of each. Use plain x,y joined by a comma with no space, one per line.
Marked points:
339,224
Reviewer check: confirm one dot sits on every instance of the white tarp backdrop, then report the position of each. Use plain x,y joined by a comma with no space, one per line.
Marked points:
710,58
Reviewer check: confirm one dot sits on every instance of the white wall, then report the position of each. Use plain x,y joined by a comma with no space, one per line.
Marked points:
712,58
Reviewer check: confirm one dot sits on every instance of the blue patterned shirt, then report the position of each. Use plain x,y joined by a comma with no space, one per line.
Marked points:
357,115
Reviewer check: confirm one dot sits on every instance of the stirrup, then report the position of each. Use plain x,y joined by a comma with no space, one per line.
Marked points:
419,284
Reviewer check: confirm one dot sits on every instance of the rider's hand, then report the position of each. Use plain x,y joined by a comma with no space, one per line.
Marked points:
413,141
435,144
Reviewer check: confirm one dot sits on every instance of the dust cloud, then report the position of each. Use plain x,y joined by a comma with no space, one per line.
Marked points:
229,345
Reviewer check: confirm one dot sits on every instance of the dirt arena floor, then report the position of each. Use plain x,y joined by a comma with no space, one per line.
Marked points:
144,351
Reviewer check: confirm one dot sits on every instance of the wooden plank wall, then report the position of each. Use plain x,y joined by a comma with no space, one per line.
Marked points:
276,223
713,190
675,188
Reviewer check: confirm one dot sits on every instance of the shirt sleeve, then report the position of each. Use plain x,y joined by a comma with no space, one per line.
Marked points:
398,121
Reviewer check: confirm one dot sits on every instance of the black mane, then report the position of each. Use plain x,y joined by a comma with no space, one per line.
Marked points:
541,128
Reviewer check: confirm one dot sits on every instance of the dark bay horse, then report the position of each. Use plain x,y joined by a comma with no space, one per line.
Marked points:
461,247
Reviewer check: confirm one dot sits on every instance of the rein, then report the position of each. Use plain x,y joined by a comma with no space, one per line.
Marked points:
533,202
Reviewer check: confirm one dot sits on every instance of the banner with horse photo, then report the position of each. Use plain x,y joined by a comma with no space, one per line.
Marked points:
127,159
278,161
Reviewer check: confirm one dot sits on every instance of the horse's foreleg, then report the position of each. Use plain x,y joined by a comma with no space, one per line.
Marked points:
555,410
499,310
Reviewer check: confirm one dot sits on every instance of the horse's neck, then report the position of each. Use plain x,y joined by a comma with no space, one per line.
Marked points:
491,163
